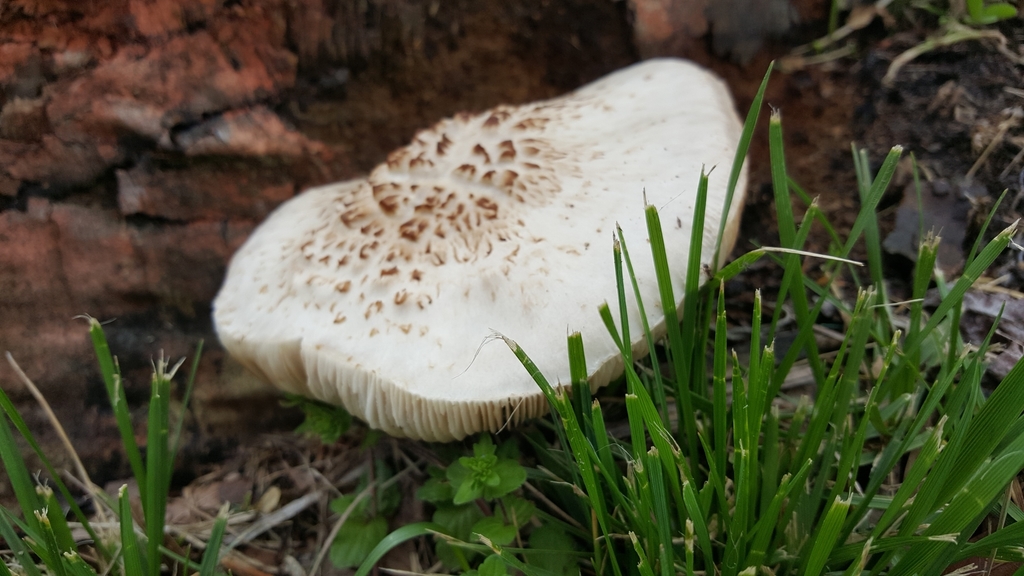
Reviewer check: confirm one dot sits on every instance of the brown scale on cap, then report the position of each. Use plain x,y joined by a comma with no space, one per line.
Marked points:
448,197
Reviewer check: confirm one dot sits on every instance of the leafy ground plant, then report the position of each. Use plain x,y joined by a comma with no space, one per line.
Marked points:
43,541
948,23
891,469
478,502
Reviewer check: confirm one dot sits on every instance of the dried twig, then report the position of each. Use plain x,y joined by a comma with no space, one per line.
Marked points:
282,514
41,400
348,512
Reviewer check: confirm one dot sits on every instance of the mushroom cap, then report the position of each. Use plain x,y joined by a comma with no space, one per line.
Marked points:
379,294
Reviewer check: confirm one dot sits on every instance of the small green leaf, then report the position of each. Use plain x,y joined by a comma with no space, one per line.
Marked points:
483,447
511,476
458,520
467,492
480,465
484,475
990,14
493,565
340,505
322,420
495,530
508,449
461,479
435,491
355,540
390,497
552,549
518,511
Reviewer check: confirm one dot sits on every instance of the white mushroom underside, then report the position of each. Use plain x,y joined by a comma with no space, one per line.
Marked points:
380,294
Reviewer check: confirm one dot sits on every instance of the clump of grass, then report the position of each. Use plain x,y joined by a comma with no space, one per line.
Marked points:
41,541
946,24
891,469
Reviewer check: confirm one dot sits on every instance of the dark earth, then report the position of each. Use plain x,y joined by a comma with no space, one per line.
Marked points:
117,201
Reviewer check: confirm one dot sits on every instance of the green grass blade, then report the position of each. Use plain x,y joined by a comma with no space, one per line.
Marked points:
668,450
962,515
511,560
692,326
721,407
115,392
788,239
640,497
757,395
658,386
988,428
819,216
700,524
970,275
158,465
580,385
19,476
687,433
927,252
741,156
1010,536
581,449
793,276
76,566
780,183
738,265
186,397
856,568
53,555
662,519
849,459
716,484
644,565
620,285
872,238
945,471
984,228
772,459
836,390
604,442
22,428
954,350
407,532
130,550
637,436
688,538
766,526
58,525
912,480
826,538
21,552
737,528
754,367
211,556
870,203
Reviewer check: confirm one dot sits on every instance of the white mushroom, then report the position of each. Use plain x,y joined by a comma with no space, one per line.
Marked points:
378,293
